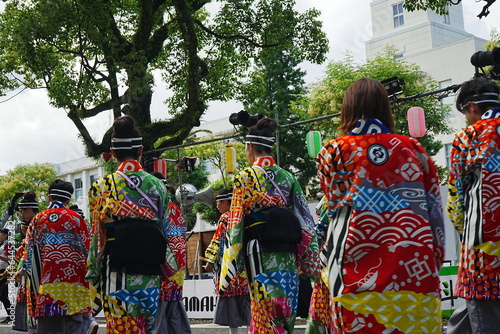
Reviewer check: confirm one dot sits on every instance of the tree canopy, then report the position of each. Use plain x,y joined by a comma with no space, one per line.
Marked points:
105,56
440,5
327,95
275,85
23,178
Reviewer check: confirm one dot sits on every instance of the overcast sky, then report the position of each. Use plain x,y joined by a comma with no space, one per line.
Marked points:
31,131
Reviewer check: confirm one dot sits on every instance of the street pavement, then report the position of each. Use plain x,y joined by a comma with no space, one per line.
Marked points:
196,328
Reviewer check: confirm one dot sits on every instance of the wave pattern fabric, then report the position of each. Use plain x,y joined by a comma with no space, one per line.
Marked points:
57,245
172,283
385,241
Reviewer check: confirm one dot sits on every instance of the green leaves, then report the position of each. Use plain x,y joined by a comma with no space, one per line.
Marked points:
96,56
28,177
326,96
439,6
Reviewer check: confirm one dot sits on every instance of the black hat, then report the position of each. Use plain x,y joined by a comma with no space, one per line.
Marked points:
75,208
224,195
28,201
4,230
61,190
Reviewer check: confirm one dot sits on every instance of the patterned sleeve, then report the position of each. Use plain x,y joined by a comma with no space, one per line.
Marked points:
246,192
176,232
334,179
459,178
212,253
308,249
434,204
30,244
97,233
175,226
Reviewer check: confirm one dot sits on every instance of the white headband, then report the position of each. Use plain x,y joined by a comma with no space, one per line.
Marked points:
484,98
126,143
259,140
60,193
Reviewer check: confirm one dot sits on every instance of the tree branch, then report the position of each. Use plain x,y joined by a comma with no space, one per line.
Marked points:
156,41
108,105
93,149
486,9
237,36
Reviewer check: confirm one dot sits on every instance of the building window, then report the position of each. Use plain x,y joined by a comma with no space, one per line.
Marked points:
78,188
446,17
93,178
397,13
447,100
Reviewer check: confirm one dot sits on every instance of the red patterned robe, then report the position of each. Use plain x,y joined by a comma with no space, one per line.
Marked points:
473,204
56,255
385,243
173,282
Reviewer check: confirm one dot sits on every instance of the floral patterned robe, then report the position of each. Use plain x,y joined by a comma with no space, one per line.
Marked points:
130,301
272,276
55,261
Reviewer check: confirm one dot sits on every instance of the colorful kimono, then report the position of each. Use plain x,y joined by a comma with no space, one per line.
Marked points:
320,312
173,281
55,261
172,317
130,301
273,276
473,203
213,255
386,235
21,308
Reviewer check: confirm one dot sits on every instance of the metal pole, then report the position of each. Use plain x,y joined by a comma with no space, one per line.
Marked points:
181,200
278,135
453,88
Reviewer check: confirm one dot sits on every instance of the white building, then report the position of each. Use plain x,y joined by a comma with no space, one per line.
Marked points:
442,48
81,172
437,43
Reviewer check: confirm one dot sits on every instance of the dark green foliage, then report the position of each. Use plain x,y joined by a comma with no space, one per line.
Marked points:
107,56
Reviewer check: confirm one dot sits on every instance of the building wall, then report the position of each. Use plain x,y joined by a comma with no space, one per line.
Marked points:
450,63
383,23
81,173
442,50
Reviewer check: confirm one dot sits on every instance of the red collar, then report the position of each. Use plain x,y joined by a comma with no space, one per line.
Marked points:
266,161
130,166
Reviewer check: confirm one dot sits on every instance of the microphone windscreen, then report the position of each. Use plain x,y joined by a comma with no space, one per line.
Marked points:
416,121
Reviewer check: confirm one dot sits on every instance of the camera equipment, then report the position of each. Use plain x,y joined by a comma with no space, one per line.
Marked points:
393,86
486,58
244,118
491,58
